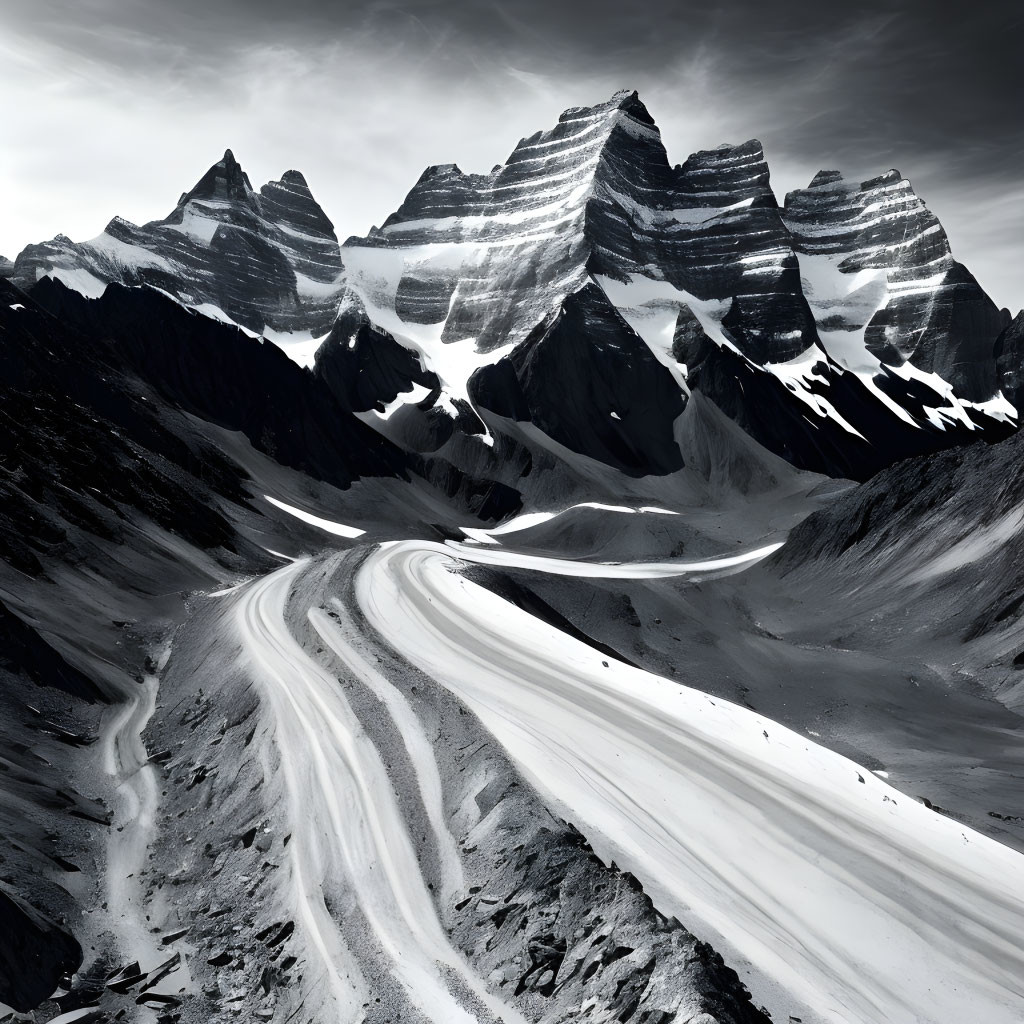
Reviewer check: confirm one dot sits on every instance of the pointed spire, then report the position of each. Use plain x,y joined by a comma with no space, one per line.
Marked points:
225,180
628,100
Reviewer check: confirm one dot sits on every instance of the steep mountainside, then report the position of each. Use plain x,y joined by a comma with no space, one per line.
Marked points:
890,626
138,441
885,289
839,331
141,437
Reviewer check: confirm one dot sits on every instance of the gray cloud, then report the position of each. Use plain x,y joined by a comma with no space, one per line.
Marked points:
116,106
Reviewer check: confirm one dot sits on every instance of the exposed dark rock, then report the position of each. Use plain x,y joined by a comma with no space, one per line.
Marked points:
929,310
1010,360
365,367
487,260
622,404
35,954
23,649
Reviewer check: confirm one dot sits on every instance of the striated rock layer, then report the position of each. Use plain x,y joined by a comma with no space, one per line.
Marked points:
838,331
878,272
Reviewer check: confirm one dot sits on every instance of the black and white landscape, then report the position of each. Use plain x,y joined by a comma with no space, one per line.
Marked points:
593,594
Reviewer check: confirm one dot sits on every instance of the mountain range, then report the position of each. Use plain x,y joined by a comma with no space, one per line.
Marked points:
836,328
344,585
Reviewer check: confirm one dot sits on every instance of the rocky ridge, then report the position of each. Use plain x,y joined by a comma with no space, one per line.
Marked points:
267,260
837,330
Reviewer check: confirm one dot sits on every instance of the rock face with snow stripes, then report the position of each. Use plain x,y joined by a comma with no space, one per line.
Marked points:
884,285
838,330
267,260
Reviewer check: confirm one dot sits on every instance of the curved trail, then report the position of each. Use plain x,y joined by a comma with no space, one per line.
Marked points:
414,736
712,567
126,759
352,834
860,902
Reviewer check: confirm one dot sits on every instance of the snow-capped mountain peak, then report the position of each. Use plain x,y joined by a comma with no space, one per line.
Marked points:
267,260
836,328
844,305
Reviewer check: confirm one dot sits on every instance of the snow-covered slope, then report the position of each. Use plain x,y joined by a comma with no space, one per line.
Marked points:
377,784
266,260
877,270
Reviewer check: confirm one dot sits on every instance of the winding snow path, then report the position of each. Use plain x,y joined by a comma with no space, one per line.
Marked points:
126,759
352,834
859,901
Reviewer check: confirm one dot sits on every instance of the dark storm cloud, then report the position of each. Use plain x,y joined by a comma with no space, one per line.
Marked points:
861,87
908,73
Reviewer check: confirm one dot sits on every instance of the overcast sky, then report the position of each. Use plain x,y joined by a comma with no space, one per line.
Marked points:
118,106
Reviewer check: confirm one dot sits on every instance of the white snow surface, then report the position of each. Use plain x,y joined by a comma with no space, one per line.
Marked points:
862,903
198,227
415,394
214,312
328,525
526,520
856,297
299,346
376,273
338,636
606,570
797,375
124,254
78,279
652,307
557,566
126,760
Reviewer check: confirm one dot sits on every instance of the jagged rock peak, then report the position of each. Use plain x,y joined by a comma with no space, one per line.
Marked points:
588,130
557,167
224,181
267,260
440,171
889,177
626,100
883,215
